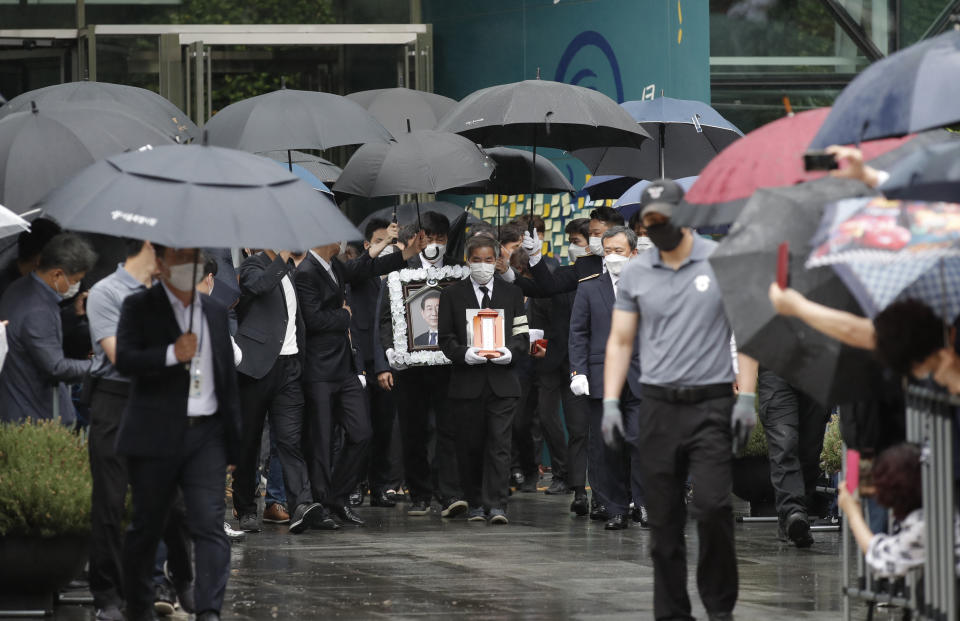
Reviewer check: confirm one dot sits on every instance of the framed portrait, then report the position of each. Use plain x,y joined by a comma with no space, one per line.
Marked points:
414,309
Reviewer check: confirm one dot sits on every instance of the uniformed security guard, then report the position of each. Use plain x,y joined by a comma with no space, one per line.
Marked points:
690,421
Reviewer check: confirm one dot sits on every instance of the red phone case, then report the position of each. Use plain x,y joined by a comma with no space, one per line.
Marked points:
853,470
783,265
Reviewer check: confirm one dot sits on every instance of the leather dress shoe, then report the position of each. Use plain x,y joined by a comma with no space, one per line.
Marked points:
796,528
304,515
249,523
580,505
380,499
600,513
208,615
640,516
617,521
356,497
322,520
347,515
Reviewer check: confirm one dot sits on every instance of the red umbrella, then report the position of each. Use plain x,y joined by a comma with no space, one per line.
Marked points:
770,156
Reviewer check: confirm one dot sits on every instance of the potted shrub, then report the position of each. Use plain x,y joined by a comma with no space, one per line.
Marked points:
45,488
751,475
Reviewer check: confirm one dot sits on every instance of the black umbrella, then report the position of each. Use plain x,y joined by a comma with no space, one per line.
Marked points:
290,119
393,107
607,187
324,170
141,103
46,145
407,213
928,174
198,196
686,134
542,113
745,264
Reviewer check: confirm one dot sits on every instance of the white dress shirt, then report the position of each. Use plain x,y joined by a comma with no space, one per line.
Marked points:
326,265
289,347
427,264
206,403
614,280
479,294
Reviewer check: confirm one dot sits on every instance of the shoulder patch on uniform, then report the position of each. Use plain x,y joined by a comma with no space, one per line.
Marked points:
591,276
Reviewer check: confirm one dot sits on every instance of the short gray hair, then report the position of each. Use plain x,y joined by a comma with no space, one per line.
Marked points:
68,252
621,230
482,241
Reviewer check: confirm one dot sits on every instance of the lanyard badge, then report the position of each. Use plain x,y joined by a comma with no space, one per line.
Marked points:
196,377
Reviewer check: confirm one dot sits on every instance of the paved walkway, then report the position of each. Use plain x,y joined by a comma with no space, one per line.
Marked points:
546,564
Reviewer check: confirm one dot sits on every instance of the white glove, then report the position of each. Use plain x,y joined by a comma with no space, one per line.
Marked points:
472,357
363,380
533,246
504,358
392,359
580,385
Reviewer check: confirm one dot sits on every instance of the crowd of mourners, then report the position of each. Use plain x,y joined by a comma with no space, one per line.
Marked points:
282,369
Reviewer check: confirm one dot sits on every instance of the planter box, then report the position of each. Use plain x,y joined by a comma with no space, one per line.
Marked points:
34,569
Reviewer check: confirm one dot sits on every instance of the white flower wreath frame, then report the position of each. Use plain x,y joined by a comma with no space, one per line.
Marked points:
430,276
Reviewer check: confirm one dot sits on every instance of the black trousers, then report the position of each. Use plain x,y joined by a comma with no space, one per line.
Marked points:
428,432
677,439
572,452
341,403
614,472
108,507
794,425
383,469
524,454
198,468
280,394
484,429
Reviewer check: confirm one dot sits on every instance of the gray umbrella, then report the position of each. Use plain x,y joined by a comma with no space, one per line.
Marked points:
393,107
512,175
198,196
420,161
145,105
43,147
745,264
324,170
292,119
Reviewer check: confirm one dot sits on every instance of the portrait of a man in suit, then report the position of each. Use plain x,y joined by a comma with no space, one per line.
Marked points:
429,304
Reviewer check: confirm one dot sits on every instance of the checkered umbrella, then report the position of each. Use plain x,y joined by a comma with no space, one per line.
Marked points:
885,251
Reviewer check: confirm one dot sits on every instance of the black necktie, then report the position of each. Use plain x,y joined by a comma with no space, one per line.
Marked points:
485,302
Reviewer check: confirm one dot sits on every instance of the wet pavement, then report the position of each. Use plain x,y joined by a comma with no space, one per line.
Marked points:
545,564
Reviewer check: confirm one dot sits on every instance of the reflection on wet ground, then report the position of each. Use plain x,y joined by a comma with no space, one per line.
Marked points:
546,564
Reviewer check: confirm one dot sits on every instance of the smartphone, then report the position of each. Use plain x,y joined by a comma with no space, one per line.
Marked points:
853,470
819,160
783,265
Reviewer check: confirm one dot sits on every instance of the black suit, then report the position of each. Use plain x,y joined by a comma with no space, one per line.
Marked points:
165,450
331,386
548,281
423,415
483,396
269,382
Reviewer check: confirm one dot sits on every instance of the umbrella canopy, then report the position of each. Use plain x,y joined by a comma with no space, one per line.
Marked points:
512,174
198,196
607,187
290,119
407,213
879,230
11,223
324,170
419,161
394,107
629,201
43,147
770,156
308,176
906,92
685,135
930,174
543,113
745,263
140,103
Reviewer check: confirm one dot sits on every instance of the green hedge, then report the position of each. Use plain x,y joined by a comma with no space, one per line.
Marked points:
45,482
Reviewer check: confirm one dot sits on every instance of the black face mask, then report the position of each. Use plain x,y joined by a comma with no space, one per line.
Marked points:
665,236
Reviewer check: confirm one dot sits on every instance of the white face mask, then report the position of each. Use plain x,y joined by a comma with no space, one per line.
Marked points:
71,291
182,276
575,252
343,247
615,263
596,246
644,243
434,252
482,272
